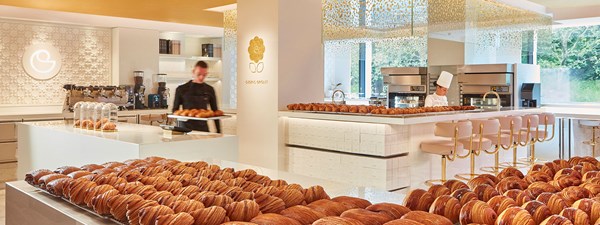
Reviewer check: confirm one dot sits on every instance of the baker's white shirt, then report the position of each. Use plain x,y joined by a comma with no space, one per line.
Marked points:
436,100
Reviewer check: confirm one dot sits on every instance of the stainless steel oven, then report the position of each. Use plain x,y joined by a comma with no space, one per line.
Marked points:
406,86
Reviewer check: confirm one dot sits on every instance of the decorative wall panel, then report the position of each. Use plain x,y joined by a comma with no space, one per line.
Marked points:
86,60
230,53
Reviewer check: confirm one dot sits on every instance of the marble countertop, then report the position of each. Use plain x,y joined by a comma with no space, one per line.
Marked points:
59,116
131,133
413,118
592,113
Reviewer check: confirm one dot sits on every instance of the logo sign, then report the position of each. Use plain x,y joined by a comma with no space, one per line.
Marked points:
42,61
256,51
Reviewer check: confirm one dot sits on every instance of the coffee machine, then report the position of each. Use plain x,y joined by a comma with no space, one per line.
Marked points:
163,91
138,90
531,95
118,95
407,86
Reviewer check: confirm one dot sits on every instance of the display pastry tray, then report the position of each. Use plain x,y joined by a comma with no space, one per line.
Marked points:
186,118
112,219
395,115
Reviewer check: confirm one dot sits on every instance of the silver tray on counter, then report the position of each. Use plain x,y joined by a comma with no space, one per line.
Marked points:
395,115
186,118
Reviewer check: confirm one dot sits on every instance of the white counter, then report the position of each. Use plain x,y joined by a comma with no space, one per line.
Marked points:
56,143
59,115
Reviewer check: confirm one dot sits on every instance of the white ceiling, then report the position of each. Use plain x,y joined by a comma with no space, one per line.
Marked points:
567,3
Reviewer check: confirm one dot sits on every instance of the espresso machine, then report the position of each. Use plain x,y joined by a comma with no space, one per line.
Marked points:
139,101
406,86
163,91
117,95
531,95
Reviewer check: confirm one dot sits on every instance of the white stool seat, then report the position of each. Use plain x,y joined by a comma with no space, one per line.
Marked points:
590,123
504,139
485,143
440,146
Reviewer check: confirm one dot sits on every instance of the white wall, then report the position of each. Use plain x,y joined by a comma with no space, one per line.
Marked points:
135,49
445,52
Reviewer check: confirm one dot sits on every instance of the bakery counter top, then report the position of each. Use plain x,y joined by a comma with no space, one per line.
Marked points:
50,144
575,112
409,119
11,117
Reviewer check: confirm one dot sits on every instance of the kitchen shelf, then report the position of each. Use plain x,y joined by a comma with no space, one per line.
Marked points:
185,57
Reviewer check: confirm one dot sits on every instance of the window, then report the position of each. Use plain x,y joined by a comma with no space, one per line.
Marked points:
570,65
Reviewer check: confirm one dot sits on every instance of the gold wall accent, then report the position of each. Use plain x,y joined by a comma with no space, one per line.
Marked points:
177,11
230,53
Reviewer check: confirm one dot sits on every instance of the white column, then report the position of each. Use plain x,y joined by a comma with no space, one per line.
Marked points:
293,71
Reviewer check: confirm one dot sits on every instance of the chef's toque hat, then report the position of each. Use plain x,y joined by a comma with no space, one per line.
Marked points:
445,79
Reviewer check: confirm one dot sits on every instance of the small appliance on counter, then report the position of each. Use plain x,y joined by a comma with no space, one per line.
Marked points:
531,95
407,86
139,100
163,91
118,95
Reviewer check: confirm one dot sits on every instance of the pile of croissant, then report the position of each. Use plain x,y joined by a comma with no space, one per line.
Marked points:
378,110
558,192
199,113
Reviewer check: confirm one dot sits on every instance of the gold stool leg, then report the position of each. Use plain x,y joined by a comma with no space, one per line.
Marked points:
515,163
493,169
469,176
440,181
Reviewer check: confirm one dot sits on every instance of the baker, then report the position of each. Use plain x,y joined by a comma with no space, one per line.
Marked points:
195,94
441,89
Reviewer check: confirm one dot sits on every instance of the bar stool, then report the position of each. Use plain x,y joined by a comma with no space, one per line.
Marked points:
482,129
507,127
519,135
595,125
532,131
448,144
537,135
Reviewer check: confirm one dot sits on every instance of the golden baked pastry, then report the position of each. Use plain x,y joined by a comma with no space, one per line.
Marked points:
403,222
49,178
538,210
149,215
181,218
576,216
134,207
213,215
565,181
464,195
352,202
242,211
274,219
515,216
130,175
141,190
477,211
34,176
100,202
66,170
454,185
328,207
553,201
118,205
245,195
186,206
366,216
268,203
334,220
511,183
572,194
168,186
169,199
590,207
556,220
110,179
395,211
78,189
500,203
438,190
446,206
519,196
537,176
215,200
95,191
510,172
427,218
302,214
418,199
56,187
315,193
594,189
79,174
485,192
91,167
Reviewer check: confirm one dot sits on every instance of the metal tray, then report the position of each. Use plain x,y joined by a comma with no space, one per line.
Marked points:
186,118
393,116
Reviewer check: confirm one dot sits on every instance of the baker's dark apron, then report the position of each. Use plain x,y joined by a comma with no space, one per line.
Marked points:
192,100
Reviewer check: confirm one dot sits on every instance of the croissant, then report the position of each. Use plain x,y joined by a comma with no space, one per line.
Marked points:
134,207
315,193
334,220
244,173
95,191
328,207
515,216
427,218
158,195
556,220
464,195
186,206
553,201
519,196
511,183
238,223
485,192
244,195
142,190
537,176
565,181
561,163
454,185
215,186
118,205
551,168
590,207
56,187
34,176
268,203
129,175
446,206
78,188
403,222
302,214
148,215
170,199
260,179
213,215
197,165
576,216
66,170
438,190
91,167
572,194
594,189
500,203
274,219
567,171
477,211
103,171
168,186
100,202
393,210
419,199
49,178
181,218
352,202
291,197
595,180
296,187
366,216
589,175
510,172
587,167
79,174
242,211
544,186
538,210
479,181
109,179
215,200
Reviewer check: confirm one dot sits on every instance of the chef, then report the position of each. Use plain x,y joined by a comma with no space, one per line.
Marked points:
441,89
195,94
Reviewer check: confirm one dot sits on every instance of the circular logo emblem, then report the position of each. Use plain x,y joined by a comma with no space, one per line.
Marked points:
42,61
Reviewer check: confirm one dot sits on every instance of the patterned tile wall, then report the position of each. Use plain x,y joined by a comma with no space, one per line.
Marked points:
86,60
